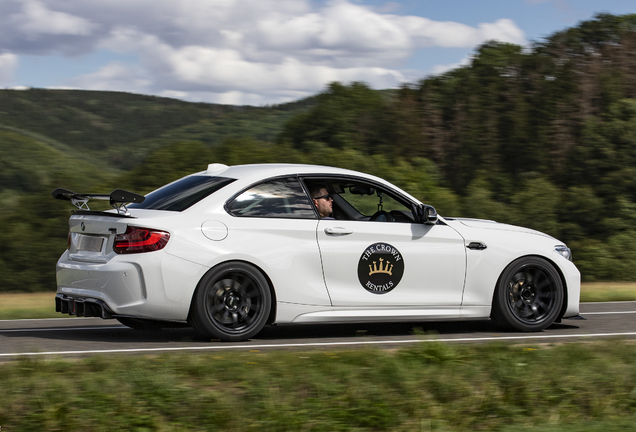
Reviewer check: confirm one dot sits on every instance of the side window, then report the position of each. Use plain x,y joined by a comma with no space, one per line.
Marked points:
280,198
376,204
183,193
353,199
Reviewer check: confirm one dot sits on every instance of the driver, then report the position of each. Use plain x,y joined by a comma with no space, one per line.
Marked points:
322,201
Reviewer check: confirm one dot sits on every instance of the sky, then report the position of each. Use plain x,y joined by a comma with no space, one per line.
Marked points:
261,52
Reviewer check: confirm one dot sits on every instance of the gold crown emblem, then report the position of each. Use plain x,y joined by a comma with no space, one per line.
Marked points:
380,269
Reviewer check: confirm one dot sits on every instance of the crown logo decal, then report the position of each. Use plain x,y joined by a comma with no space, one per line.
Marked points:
388,267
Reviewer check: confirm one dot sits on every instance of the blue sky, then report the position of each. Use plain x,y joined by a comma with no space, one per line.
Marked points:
261,51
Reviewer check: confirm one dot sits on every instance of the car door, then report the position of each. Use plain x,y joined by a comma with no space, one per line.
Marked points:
383,262
275,221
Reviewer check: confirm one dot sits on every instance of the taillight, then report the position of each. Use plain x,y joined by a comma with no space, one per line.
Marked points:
138,240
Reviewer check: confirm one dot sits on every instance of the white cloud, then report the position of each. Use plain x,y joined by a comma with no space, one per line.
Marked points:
504,30
115,77
36,18
8,63
440,69
450,34
235,50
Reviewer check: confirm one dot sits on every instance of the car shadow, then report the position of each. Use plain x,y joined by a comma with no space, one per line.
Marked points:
429,328
126,337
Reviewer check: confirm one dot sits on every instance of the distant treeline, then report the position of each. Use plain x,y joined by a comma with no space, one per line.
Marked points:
542,137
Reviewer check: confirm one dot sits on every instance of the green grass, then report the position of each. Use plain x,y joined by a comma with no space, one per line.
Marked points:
28,305
608,291
429,386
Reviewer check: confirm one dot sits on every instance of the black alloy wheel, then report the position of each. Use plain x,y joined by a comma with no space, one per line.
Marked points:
232,302
529,295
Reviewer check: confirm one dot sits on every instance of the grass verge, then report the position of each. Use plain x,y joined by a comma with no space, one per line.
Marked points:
608,291
42,305
426,387
28,305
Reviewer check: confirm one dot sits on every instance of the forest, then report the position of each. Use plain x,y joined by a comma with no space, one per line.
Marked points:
541,136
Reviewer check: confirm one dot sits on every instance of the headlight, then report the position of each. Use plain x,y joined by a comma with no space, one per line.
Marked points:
565,251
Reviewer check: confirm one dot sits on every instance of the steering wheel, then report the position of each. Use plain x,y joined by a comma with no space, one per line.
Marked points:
382,216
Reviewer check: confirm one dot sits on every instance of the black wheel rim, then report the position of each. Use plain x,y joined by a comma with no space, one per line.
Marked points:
532,294
234,302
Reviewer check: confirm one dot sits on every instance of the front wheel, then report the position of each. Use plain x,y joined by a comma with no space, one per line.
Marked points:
529,295
232,302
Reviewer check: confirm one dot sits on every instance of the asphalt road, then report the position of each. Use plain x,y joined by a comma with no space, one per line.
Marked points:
75,337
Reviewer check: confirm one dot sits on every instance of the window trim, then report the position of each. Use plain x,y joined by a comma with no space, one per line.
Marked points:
228,181
334,177
226,206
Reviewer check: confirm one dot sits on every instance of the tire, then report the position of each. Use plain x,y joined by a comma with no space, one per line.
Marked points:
529,295
232,302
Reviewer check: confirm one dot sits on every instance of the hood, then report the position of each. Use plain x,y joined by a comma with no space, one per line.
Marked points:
489,224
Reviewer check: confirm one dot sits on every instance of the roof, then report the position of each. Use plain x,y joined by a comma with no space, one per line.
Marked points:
255,172
271,169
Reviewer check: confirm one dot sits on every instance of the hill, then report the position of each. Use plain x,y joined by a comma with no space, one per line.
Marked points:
542,137
114,130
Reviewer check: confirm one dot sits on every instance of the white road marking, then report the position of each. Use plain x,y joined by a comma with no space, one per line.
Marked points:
61,329
607,313
41,319
317,344
609,302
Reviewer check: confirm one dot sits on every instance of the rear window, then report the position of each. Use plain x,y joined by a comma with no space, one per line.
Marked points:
183,193
281,198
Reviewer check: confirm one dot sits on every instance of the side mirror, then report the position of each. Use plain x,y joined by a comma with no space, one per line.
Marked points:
427,214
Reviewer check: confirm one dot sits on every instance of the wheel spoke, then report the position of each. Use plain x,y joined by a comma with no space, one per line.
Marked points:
545,282
546,295
536,275
244,316
235,321
544,307
217,306
237,285
526,312
251,289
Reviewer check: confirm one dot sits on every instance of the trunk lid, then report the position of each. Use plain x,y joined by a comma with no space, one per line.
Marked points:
92,236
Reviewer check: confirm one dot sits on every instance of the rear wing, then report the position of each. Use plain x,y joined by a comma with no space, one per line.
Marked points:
118,199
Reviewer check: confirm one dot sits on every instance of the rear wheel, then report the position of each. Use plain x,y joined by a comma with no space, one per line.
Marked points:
529,295
231,303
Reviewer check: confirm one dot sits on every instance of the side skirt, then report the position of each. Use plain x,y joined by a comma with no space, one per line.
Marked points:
288,313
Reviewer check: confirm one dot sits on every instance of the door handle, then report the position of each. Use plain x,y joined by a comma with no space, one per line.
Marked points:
337,231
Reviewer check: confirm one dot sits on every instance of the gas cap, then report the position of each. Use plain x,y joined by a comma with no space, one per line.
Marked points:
214,230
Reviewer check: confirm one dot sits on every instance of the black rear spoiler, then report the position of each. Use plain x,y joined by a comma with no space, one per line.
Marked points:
118,198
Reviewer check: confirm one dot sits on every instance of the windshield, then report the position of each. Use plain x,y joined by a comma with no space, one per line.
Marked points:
183,193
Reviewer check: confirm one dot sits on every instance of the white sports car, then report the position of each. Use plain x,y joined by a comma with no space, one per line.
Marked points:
231,249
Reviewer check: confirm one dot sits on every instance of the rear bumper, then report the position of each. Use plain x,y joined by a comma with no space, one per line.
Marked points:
151,285
82,307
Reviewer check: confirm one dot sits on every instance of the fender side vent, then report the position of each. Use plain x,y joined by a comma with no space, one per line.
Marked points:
476,246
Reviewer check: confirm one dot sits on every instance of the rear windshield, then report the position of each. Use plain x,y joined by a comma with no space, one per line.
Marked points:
183,193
